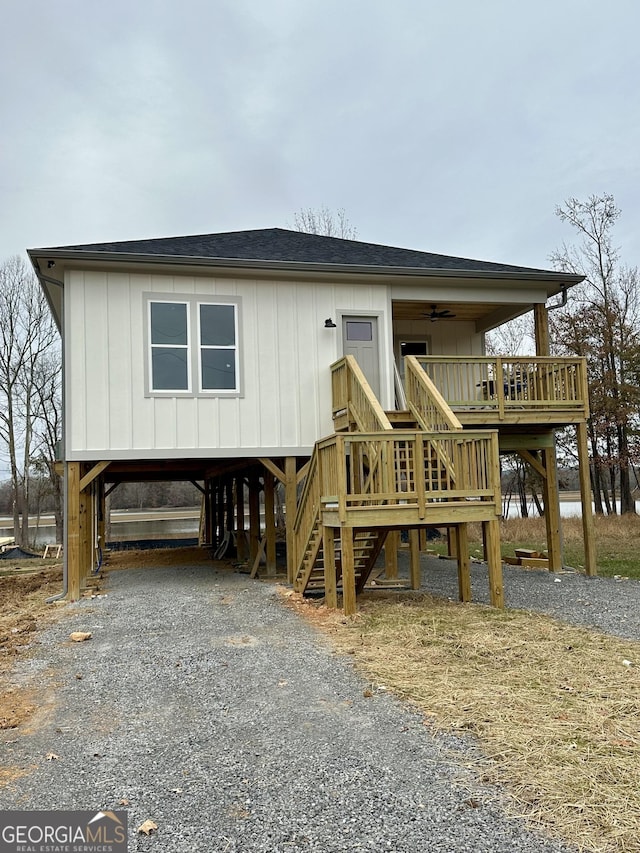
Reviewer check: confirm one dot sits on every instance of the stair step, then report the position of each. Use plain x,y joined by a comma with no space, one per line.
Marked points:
401,419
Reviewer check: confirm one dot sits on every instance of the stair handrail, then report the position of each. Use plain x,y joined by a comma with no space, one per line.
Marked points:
307,513
426,403
401,397
309,483
352,394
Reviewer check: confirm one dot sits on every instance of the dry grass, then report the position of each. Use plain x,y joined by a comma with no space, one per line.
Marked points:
556,708
616,542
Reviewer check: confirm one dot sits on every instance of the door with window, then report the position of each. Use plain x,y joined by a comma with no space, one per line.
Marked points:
360,339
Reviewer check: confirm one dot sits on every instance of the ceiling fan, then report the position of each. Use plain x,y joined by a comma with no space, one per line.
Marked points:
443,314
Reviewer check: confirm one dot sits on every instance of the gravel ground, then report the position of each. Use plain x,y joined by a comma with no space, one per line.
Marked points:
224,717
612,606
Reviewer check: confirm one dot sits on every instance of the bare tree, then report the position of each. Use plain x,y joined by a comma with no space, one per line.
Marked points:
48,431
602,324
27,338
517,336
324,221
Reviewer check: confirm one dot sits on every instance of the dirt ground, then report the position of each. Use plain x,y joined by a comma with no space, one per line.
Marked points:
23,612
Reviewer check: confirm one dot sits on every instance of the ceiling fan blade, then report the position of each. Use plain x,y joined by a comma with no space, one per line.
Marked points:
442,314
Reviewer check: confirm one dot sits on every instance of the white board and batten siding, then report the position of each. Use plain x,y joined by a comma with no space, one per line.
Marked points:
285,352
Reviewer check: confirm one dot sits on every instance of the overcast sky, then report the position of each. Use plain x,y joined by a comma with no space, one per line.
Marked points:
453,126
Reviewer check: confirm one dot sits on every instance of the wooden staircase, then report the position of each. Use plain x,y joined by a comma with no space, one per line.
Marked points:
388,471
311,571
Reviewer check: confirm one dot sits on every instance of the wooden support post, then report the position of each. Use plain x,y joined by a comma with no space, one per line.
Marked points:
494,562
270,522
220,510
329,553
391,545
541,321
229,520
208,513
86,532
254,514
588,530
464,563
241,541
348,571
72,545
415,577
452,542
423,539
291,508
107,515
552,509
101,511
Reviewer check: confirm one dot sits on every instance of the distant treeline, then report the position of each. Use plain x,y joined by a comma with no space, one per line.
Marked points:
125,496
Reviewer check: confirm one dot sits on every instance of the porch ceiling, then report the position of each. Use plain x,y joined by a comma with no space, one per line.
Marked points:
413,310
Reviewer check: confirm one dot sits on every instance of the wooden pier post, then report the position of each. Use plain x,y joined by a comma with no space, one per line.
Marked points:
588,530
464,563
494,562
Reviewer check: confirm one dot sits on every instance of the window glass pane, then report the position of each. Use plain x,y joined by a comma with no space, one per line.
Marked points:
413,348
359,331
218,369
168,323
217,325
169,369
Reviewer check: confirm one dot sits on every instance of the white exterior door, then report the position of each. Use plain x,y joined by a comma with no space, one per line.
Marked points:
360,339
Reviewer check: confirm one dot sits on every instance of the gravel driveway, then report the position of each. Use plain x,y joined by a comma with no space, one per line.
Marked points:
221,715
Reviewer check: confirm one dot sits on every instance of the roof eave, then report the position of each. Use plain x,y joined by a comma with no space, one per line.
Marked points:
559,278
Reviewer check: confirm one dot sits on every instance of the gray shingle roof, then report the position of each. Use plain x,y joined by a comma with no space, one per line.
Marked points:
281,245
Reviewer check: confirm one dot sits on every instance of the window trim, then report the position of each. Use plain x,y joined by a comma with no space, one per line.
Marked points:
194,346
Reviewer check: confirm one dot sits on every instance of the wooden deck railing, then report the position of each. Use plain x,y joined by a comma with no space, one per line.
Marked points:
403,468
353,398
426,403
509,383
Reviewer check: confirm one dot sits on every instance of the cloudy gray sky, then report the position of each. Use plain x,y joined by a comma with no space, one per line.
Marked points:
453,126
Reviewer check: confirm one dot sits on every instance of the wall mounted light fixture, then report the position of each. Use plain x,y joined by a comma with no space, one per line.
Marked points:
329,324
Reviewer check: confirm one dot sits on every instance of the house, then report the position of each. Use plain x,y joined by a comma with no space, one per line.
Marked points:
353,373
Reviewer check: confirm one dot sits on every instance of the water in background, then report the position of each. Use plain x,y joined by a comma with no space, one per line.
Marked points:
124,529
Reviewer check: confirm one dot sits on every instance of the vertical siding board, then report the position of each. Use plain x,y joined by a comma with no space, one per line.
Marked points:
96,361
288,322
142,408
164,422
251,401
121,362
266,356
229,420
311,346
75,364
207,417
187,424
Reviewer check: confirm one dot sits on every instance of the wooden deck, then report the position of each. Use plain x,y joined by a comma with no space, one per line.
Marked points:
521,391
